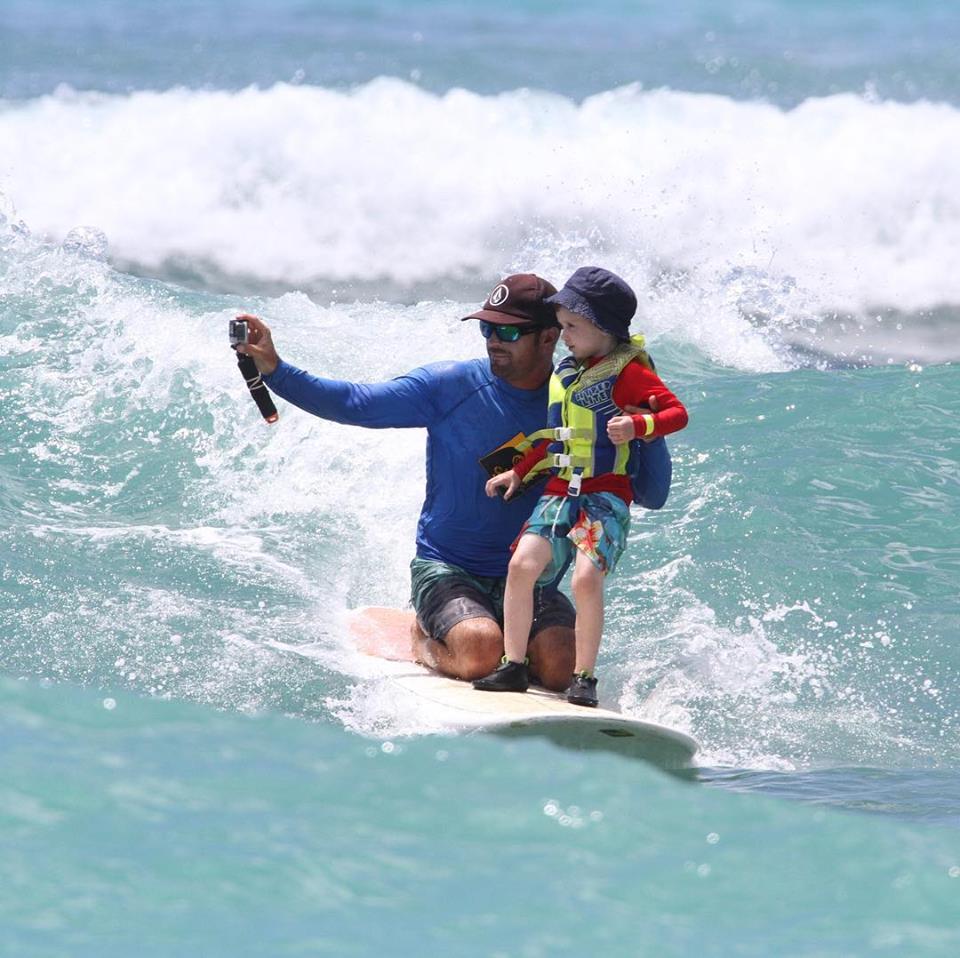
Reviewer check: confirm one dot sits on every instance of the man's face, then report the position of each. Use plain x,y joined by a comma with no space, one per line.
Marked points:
524,359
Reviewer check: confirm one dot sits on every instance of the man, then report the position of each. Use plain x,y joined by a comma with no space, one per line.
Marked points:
475,413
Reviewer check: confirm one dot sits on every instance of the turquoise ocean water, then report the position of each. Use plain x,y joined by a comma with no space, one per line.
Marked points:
195,762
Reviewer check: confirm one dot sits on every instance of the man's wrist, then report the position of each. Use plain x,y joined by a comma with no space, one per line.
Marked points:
276,366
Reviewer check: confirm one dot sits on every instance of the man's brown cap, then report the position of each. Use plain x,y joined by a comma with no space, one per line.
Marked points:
520,296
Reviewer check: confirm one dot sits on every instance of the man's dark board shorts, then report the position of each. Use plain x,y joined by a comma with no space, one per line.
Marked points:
444,595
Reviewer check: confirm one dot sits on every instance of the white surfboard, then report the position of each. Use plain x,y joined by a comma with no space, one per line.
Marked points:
457,705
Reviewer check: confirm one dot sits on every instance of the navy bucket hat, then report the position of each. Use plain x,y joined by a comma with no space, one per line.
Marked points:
602,297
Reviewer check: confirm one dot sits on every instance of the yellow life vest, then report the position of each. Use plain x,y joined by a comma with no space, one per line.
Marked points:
581,398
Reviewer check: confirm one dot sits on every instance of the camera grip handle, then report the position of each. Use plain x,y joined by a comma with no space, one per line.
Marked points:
260,393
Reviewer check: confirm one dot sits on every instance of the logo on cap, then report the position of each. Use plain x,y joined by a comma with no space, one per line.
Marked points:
499,295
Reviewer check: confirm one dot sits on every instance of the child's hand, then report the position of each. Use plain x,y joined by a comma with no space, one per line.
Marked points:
620,430
508,481
653,405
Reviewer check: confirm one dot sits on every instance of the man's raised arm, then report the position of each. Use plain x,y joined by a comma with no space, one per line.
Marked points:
404,401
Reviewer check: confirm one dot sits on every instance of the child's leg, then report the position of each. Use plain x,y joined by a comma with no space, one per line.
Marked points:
530,558
588,596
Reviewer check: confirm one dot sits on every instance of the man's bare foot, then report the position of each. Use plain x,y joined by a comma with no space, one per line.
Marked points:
381,632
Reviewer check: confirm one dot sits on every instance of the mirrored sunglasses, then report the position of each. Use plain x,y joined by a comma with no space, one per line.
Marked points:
506,334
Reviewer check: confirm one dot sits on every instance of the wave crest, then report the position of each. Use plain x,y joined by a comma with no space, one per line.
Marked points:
849,200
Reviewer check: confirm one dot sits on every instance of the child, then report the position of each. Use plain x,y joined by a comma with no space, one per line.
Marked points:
585,508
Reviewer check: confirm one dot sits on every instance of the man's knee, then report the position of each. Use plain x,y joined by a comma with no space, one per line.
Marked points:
477,646
553,656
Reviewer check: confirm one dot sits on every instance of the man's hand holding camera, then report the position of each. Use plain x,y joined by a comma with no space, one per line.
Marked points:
259,344
256,358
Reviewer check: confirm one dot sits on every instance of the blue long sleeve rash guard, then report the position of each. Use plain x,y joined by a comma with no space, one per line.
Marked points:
468,413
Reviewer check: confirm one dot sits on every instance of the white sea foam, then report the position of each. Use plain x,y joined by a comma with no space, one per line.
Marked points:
852,202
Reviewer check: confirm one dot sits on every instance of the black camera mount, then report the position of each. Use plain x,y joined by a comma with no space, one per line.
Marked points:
250,373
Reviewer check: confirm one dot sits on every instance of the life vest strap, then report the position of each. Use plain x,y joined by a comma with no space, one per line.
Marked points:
563,461
560,460
558,434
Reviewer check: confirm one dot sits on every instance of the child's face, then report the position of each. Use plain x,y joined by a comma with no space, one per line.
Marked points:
581,337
